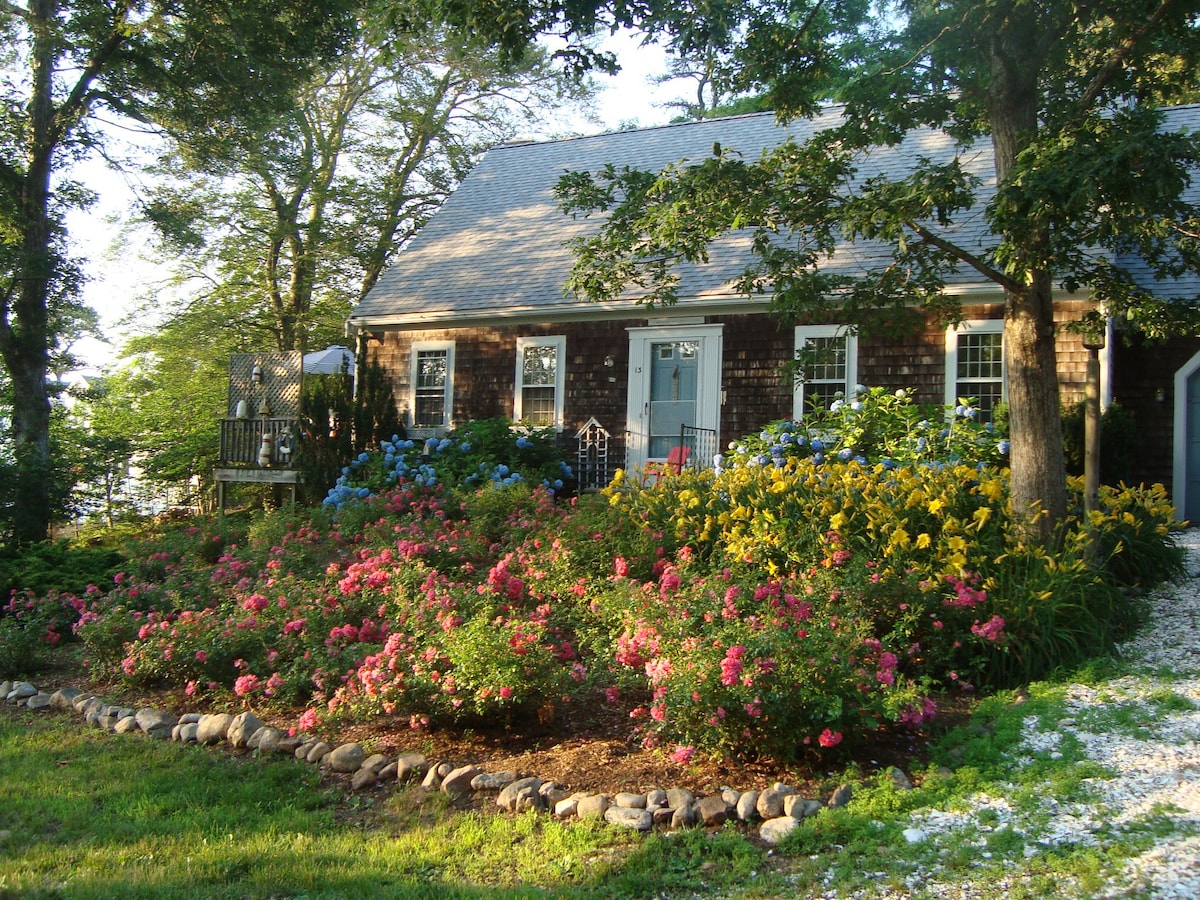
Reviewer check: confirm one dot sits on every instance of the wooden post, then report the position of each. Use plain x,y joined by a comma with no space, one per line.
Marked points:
1093,342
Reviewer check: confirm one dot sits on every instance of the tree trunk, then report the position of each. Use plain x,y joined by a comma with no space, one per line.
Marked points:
25,345
1038,481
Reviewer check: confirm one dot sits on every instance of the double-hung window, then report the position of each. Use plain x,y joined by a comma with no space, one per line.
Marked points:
432,383
827,356
975,365
538,399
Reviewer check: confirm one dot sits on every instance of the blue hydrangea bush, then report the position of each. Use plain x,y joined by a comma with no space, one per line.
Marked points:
480,453
877,426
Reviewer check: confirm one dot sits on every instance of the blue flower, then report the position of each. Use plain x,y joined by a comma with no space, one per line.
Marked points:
817,445
1003,446
845,453
524,443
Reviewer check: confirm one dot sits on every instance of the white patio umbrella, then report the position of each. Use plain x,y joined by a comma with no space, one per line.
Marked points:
331,361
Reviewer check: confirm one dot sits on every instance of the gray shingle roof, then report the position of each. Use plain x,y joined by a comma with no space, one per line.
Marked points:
498,244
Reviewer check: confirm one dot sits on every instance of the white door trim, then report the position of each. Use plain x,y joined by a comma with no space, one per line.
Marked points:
1179,471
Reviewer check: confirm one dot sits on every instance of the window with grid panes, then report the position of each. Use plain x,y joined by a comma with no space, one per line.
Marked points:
430,386
827,362
539,380
980,370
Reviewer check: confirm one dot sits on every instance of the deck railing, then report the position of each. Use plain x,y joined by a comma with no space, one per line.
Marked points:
242,441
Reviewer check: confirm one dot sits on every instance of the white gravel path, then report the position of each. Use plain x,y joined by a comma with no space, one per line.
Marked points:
1139,730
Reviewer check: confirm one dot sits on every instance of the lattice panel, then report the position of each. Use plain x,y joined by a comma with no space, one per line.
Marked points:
281,375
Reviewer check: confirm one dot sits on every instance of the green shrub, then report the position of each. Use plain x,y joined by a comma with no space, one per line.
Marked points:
1118,442
56,566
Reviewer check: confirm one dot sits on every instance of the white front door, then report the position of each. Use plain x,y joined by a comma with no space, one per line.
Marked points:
674,381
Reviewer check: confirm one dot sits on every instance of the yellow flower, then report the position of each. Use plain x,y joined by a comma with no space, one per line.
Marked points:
923,541
936,505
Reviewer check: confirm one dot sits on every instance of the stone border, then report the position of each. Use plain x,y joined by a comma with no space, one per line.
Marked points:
776,811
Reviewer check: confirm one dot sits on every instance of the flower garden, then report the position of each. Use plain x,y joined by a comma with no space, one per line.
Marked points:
824,581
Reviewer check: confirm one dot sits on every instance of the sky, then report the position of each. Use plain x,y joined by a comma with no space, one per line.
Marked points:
116,267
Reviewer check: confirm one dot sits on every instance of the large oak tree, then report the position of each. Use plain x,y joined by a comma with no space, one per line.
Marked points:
1090,189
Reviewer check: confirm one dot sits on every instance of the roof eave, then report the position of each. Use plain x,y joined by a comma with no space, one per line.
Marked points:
575,311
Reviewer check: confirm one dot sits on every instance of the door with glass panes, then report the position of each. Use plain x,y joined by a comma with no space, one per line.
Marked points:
674,386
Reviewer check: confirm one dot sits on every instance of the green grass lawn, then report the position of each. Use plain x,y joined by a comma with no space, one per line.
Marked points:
88,814
84,813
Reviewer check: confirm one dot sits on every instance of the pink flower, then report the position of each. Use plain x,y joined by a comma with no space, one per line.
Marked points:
612,694
201,656
829,738
731,665
659,670
621,566
506,693
255,603
683,755
245,684
669,583
308,720
992,629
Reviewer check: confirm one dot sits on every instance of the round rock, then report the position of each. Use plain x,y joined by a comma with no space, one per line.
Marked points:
242,728
211,729
775,830
346,758
627,817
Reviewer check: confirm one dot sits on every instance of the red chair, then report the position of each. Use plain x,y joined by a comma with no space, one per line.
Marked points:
674,464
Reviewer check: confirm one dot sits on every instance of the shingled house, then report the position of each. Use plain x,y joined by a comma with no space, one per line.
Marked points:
472,321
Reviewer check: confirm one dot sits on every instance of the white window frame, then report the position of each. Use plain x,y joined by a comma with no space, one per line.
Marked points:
419,347
977,326
804,333
559,343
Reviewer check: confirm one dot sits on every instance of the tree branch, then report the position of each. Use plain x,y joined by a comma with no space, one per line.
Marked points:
76,102
1117,59
988,272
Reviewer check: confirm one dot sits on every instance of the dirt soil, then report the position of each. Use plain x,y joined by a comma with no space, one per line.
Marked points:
592,750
